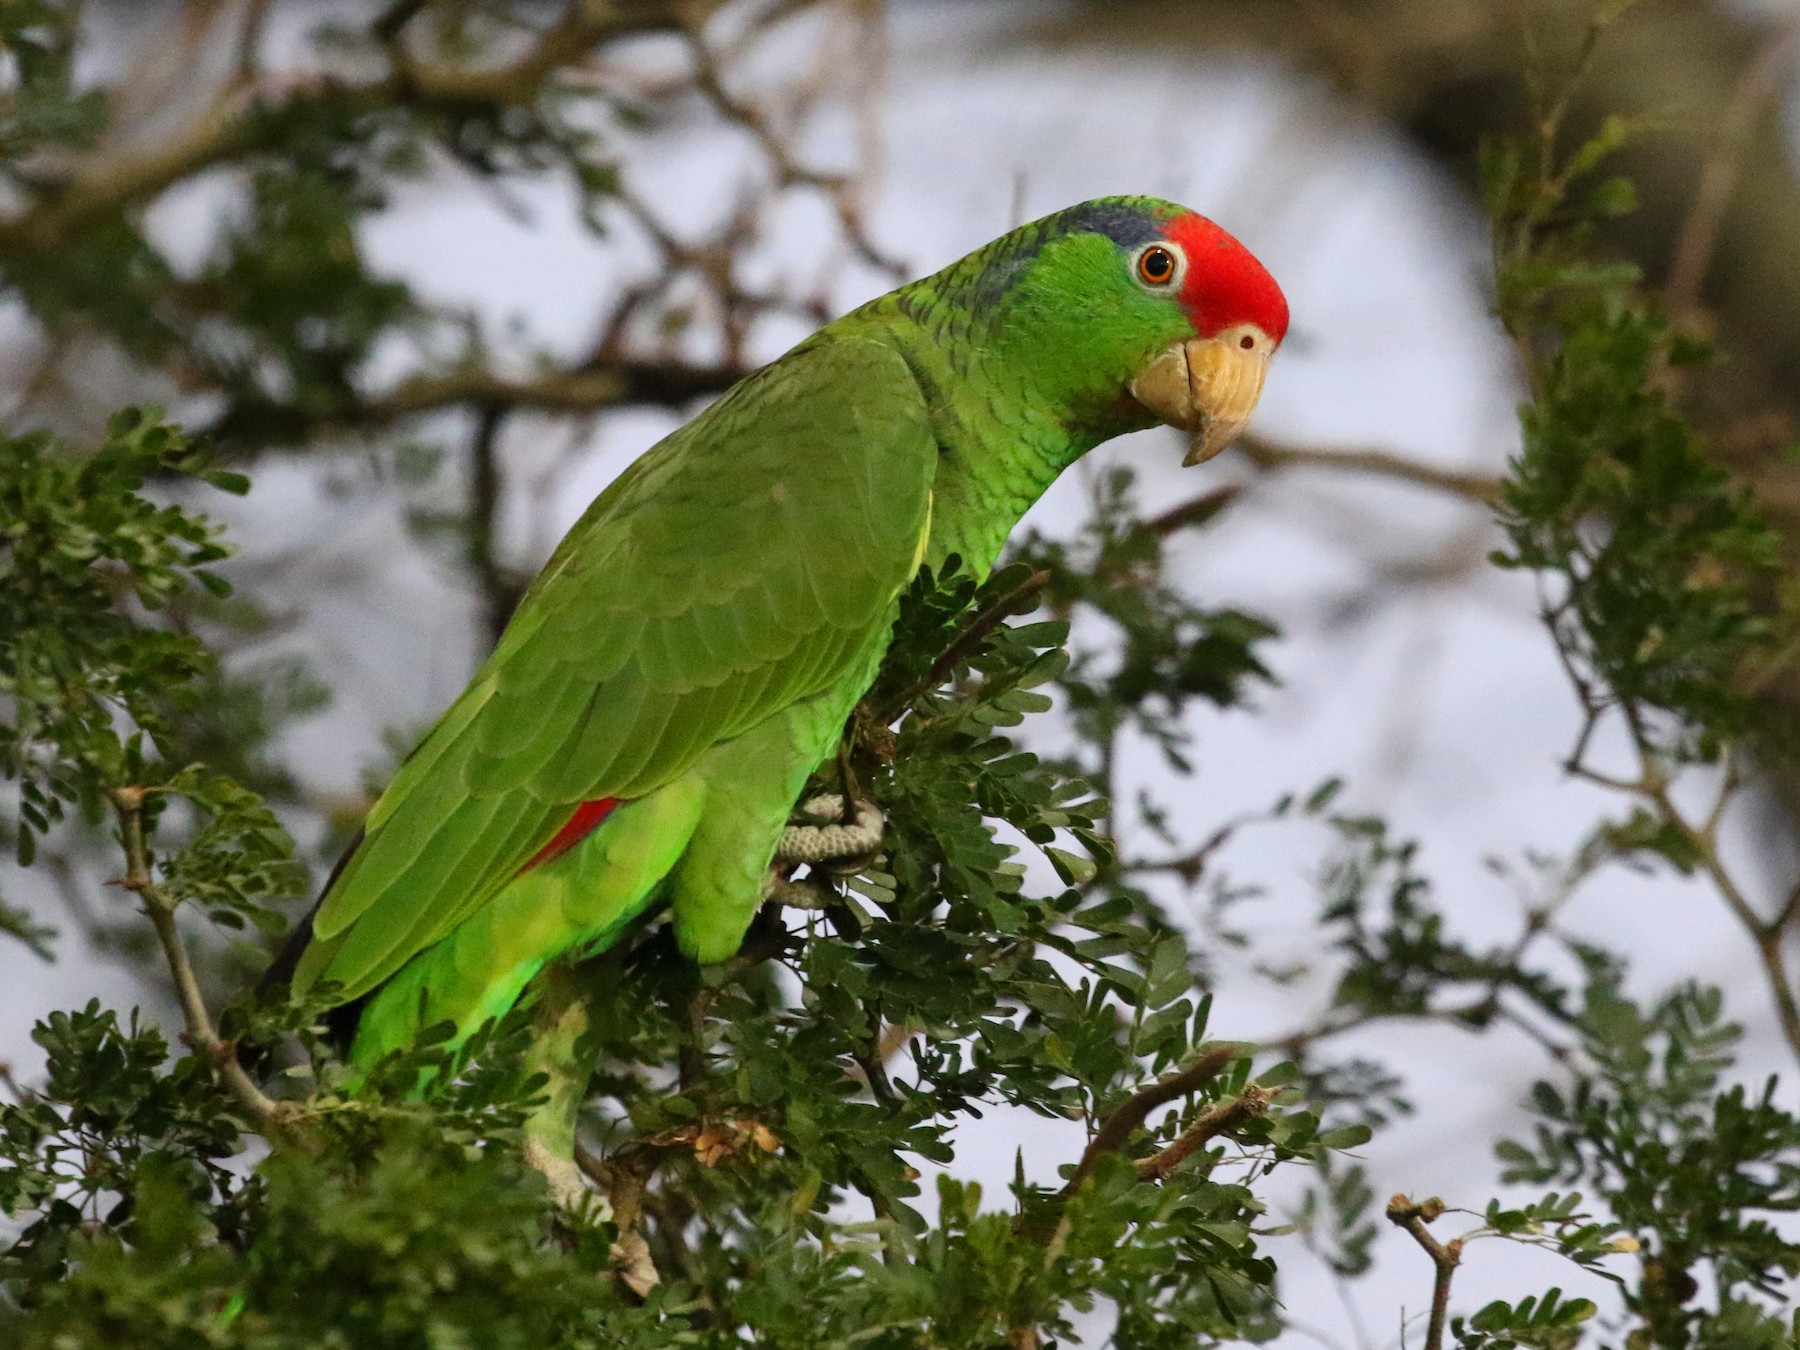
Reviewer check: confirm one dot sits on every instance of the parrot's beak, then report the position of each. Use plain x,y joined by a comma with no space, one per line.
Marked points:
1207,386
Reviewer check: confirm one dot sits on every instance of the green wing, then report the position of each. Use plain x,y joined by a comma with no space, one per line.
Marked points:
742,564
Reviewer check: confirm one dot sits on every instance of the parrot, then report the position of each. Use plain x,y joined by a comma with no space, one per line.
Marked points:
643,730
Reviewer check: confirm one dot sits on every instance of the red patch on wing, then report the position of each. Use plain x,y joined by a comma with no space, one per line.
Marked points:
579,826
1225,283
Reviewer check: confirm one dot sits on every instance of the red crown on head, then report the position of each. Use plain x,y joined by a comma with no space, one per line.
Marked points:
1225,283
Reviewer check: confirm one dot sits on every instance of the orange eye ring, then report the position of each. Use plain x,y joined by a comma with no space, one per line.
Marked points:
1156,266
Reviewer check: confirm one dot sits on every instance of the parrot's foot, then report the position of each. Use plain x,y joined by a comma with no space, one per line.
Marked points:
826,840
796,894
832,838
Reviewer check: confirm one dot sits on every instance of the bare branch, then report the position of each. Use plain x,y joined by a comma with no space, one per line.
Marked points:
789,171
249,42
583,389
1252,1102
1189,866
1652,787
128,806
1445,1256
1195,511
1477,487
499,592
237,121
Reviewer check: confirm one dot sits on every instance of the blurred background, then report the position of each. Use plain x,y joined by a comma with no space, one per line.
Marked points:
434,273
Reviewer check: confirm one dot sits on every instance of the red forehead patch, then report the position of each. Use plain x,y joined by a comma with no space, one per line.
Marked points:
1225,283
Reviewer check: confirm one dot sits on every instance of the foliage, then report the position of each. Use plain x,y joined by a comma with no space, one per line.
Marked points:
1688,1162
146,1225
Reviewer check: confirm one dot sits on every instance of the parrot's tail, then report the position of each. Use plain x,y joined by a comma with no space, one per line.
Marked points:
580,892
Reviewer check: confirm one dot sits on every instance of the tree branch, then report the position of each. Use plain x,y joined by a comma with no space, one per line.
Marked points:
499,592
583,389
1445,1256
1477,487
789,171
1252,1102
1116,1130
965,642
128,806
1194,511
239,120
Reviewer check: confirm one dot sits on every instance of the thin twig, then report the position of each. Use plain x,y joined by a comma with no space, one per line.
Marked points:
965,642
1189,866
1766,934
838,188
249,42
1116,1130
128,806
1252,1102
1195,511
499,592
1789,908
1445,1256
585,389
237,122
1652,787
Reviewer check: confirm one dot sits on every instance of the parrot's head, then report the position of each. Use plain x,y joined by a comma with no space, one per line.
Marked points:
1138,311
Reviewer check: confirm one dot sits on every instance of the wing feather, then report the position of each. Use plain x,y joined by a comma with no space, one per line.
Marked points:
746,562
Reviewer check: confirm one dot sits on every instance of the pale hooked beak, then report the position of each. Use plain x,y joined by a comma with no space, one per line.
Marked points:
1207,386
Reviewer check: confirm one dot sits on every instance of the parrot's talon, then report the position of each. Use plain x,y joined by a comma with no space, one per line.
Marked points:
792,894
819,843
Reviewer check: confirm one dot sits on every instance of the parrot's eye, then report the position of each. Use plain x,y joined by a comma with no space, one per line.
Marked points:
1156,266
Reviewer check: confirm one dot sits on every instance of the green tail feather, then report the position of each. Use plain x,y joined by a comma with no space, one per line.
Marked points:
581,901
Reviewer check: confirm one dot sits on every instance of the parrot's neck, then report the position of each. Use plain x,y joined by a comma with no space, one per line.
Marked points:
991,469
1002,440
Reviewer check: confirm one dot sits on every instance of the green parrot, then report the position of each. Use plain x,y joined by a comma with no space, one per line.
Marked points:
690,653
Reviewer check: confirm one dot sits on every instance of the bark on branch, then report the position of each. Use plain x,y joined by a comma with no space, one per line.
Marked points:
1116,1130
1252,1102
